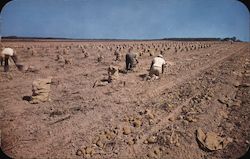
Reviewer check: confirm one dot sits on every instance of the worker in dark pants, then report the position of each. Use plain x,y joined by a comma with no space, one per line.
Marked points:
7,53
131,60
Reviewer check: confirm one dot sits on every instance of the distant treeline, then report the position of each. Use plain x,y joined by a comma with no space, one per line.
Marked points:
203,39
231,39
15,38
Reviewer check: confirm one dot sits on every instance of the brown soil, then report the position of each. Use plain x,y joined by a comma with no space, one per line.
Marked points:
130,117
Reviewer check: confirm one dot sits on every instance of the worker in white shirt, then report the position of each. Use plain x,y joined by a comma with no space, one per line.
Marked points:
157,66
6,53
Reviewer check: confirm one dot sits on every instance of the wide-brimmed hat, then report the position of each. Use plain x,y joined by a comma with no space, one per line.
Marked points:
160,55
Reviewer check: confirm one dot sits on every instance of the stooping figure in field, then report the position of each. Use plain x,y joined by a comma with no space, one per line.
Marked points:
117,55
131,59
157,66
7,53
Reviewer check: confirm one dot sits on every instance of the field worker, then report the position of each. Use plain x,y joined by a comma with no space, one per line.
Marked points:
157,66
131,59
6,53
117,55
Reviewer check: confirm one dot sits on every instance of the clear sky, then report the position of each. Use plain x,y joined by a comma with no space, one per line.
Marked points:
126,19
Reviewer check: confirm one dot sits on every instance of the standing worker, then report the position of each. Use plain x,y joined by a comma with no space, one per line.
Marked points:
131,58
157,66
6,53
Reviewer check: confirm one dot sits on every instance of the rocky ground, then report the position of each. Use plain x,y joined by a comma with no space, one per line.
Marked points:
199,108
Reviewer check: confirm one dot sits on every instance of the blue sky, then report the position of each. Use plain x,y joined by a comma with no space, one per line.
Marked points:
126,19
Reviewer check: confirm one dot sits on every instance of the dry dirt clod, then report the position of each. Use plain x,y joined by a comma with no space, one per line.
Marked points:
211,141
59,58
110,135
224,114
87,155
126,119
151,122
126,130
30,69
236,103
180,117
223,100
67,61
154,153
236,83
189,134
185,122
130,142
100,144
89,150
149,114
79,152
100,83
171,118
177,144
137,123
191,119
100,140
152,139
95,140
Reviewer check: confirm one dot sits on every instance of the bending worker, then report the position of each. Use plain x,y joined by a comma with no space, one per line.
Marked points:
6,53
157,66
131,59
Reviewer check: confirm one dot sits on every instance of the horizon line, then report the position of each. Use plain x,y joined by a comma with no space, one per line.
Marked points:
119,39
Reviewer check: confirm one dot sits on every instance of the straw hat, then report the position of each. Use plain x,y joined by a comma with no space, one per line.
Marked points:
160,55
